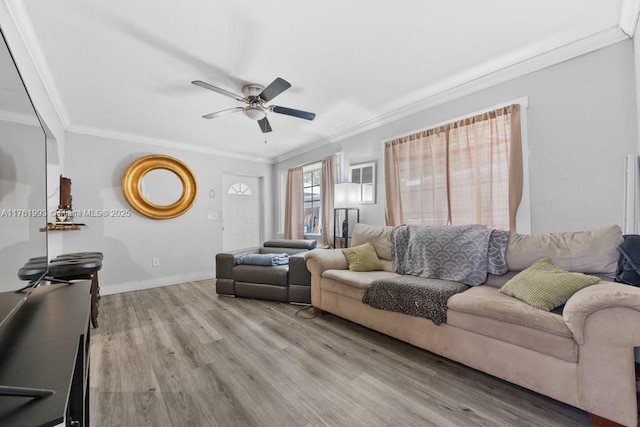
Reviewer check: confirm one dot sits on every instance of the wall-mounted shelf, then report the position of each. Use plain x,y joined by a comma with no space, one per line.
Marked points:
63,227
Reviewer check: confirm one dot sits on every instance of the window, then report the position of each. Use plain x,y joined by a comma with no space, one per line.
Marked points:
311,178
365,176
239,189
465,172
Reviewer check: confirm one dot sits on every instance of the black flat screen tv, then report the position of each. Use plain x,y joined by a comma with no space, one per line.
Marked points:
23,198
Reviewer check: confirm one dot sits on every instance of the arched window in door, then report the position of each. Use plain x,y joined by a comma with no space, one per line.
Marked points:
239,189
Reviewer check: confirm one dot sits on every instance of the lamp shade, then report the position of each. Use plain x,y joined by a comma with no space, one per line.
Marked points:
346,195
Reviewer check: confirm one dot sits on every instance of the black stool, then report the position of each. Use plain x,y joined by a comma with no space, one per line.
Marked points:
80,266
32,271
74,255
65,269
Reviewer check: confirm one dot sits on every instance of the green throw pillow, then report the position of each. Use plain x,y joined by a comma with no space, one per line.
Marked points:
546,286
362,258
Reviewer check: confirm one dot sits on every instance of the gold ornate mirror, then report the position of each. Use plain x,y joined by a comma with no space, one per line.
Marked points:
132,183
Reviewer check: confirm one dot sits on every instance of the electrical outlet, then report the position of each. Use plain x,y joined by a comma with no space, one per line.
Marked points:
155,262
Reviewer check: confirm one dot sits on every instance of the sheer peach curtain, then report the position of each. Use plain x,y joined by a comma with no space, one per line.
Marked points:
329,179
467,172
294,205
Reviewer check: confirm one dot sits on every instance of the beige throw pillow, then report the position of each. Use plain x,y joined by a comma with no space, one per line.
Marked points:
362,258
546,286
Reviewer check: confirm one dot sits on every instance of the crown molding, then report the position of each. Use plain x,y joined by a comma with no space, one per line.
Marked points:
159,142
508,67
628,20
25,119
23,24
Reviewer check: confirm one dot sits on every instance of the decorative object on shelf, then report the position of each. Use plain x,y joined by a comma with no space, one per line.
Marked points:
132,180
64,213
345,215
212,194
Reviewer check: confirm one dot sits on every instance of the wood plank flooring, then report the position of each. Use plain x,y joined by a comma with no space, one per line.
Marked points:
182,356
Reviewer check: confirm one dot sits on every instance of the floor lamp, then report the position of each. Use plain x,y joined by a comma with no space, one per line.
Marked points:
345,196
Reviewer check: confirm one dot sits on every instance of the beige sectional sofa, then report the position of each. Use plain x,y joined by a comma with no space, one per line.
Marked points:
581,354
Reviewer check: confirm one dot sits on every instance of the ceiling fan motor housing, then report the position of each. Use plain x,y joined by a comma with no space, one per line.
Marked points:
252,90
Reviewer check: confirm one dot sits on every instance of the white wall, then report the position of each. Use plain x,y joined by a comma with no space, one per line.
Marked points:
186,246
582,122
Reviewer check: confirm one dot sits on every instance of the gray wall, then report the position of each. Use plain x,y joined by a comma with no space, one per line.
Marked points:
582,122
22,187
185,245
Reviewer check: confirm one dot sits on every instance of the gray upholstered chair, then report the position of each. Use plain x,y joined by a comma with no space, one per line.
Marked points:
287,283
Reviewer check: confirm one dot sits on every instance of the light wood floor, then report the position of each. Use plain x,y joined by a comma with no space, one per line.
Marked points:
182,356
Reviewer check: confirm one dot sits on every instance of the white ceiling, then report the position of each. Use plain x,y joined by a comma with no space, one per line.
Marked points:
124,67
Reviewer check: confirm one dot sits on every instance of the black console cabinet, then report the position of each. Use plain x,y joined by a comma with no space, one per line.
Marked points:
45,345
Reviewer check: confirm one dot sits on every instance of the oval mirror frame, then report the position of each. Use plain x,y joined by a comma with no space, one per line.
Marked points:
136,171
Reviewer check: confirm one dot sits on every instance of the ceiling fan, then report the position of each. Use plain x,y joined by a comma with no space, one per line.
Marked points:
256,96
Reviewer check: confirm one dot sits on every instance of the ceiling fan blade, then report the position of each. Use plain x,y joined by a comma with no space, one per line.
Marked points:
217,89
222,113
274,89
265,127
292,112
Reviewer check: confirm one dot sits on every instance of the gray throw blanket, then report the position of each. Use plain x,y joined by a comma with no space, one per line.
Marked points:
461,253
264,259
416,296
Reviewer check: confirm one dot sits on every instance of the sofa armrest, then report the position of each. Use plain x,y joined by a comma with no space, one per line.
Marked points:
226,261
318,262
325,259
298,273
224,265
616,304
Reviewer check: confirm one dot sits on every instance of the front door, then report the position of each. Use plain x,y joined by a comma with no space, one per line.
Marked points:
241,212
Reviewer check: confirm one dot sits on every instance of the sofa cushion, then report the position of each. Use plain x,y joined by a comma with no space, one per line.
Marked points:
592,251
378,235
546,286
362,258
487,301
485,311
270,275
350,284
360,280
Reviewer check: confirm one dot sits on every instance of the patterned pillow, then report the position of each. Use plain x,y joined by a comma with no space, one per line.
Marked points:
362,258
546,286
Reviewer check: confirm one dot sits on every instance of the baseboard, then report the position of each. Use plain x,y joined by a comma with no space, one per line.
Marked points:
156,282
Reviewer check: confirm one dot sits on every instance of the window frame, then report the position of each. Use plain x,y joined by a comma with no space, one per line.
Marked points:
362,199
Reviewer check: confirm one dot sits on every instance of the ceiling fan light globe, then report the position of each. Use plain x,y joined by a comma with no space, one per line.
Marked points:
254,113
